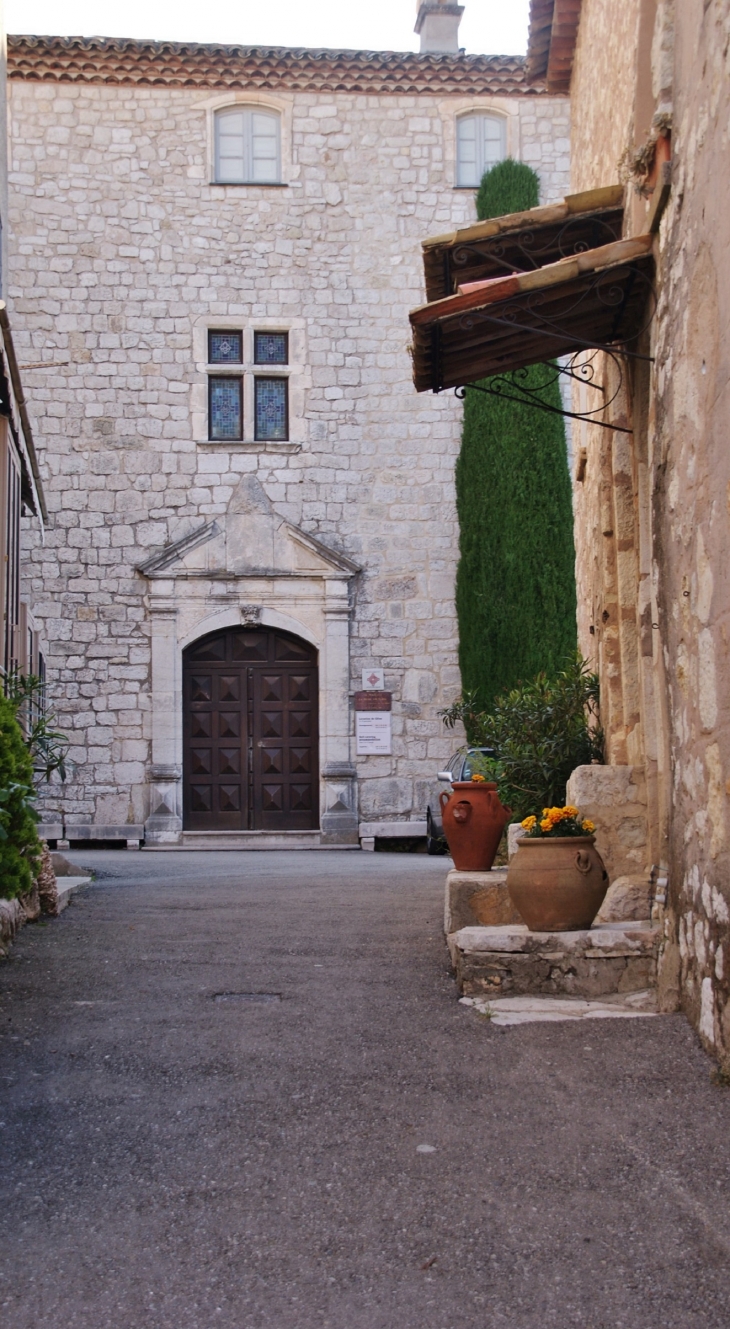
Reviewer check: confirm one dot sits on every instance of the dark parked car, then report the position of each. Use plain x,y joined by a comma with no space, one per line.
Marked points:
459,768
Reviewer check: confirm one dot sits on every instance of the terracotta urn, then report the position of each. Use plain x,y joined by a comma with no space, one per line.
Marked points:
557,885
474,820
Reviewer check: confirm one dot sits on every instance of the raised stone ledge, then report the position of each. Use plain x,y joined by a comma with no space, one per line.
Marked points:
511,960
370,831
478,899
131,833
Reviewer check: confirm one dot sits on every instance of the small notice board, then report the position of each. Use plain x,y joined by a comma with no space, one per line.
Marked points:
373,729
373,732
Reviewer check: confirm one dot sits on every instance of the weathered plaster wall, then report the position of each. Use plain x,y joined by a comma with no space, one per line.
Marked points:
119,248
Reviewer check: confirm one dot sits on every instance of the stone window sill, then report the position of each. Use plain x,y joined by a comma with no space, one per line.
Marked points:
246,445
248,184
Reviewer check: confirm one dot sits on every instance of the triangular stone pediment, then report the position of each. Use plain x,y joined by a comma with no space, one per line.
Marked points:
251,540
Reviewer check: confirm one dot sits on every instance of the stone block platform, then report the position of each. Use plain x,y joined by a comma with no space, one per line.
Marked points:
474,898
512,961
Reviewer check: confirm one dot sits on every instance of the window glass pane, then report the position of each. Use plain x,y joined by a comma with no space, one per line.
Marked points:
270,348
230,155
226,416
225,348
492,139
271,409
264,147
467,152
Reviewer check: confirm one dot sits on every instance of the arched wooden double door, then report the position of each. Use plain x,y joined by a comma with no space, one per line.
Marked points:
250,752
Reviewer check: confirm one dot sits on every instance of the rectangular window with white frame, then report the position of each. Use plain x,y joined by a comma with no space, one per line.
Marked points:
481,142
247,146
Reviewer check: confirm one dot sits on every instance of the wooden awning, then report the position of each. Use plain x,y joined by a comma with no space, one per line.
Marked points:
522,241
592,300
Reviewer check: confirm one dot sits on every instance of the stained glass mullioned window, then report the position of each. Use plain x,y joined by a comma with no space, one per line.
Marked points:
225,348
225,408
271,407
270,348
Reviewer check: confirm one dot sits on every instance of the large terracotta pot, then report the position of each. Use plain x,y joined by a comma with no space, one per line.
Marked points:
474,820
557,885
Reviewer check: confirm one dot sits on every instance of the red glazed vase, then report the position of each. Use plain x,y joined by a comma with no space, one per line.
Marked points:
474,820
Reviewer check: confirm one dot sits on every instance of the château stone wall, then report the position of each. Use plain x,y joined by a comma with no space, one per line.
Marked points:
120,249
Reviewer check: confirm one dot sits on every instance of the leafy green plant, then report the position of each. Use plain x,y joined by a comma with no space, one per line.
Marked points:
47,745
20,848
540,732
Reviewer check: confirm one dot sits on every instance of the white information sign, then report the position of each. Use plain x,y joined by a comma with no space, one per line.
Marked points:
373,680
373,732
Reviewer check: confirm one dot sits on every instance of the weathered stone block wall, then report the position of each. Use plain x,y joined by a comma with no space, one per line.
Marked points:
692,509
604,87
662,498
120,246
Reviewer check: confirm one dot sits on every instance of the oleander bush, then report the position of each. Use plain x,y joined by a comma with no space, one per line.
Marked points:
540,732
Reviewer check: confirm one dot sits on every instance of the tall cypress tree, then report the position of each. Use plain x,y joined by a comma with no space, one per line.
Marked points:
515,584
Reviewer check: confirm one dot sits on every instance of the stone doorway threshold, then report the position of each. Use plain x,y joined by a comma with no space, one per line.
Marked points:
238,840
547,1010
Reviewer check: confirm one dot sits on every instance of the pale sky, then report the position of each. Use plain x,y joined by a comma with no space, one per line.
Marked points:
496,27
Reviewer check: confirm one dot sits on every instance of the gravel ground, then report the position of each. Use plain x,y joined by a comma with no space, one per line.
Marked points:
175,1153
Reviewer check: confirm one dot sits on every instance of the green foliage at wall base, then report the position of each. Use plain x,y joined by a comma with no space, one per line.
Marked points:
20,848
540,732
515,586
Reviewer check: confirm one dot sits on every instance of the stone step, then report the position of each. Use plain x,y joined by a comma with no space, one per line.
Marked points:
549,1010
67,888
249,840
512,961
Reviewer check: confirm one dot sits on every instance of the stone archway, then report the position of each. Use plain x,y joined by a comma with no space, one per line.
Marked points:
250,732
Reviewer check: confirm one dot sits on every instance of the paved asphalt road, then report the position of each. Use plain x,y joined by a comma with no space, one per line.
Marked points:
175,1155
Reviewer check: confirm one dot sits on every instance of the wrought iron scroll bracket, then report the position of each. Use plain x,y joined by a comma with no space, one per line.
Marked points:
520,386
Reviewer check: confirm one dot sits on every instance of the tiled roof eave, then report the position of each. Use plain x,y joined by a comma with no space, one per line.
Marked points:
103,60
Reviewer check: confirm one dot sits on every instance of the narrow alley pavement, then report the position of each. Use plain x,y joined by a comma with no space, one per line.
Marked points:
220,1073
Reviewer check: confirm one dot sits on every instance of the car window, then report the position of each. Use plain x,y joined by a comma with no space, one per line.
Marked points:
455,766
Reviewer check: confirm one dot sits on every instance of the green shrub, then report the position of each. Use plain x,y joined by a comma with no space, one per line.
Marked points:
510,186
540,733
515,584
20,848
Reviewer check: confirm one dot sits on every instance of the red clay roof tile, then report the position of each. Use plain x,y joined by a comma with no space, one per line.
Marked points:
187,64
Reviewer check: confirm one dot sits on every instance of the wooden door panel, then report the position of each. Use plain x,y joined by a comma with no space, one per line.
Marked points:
215,757
250,732
285,735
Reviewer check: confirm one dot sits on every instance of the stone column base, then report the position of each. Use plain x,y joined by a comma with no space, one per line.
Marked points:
164,824
339,818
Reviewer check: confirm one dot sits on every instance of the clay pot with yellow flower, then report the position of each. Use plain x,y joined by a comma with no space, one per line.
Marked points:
557,880
474,820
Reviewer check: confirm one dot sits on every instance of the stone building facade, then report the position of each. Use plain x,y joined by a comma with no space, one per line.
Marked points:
650,93
130,248
22,500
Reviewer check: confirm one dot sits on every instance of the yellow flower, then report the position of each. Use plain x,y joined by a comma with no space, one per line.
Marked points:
570,811
529,823
589,826
479,779
546,825
555,815
546,812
